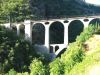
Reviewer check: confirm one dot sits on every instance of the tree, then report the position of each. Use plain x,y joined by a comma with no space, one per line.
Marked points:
14,8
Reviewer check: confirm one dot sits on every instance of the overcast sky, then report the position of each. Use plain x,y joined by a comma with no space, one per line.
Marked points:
97,2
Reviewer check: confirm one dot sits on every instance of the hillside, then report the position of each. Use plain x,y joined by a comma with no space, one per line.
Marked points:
92,44
91,63
63,8
40,9
81,57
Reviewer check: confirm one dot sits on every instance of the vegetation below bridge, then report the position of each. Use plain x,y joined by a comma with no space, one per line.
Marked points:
18,57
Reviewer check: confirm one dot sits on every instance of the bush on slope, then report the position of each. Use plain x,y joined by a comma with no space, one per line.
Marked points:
74,53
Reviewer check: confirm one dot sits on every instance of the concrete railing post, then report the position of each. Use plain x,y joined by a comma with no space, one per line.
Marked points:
28,30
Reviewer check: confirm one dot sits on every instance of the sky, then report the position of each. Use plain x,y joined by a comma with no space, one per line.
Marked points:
97,2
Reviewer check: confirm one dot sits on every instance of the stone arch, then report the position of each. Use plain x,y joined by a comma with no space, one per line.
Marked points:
38,34
94,21
22,30
56,33
75,28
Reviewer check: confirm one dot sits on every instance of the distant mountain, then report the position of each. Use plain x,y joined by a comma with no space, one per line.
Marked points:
62,8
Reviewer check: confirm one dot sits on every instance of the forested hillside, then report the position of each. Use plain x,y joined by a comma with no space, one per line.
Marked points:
18,10
19,57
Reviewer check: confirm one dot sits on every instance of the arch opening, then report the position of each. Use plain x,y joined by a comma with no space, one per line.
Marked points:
56,48
95,21
14,29
66,21
22,30
51,49
38,34
86,20
74,29
56,33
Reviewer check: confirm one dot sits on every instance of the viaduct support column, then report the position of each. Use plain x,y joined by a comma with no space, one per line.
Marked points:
18,29
66,34
28,30
86,24
47,36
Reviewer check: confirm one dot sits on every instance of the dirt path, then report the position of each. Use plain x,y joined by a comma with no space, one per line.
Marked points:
92,44
95,70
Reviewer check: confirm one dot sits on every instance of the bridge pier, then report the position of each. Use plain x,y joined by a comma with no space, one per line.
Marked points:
47,36
18,29
28,30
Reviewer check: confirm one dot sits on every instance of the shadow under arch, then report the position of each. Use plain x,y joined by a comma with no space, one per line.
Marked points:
14,29
74,29
22,30
95,21
56,33
38,34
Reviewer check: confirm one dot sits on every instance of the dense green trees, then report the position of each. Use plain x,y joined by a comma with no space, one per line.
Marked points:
17,56
14,10
15,52
18,10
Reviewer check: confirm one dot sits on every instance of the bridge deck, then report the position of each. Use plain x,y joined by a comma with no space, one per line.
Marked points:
66,18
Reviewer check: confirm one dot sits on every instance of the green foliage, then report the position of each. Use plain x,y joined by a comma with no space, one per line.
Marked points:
14,52
25,73
86,34
18,54
86,65
97,28
14,10
18,10
9,5
75,52
56,67
74,55
12,72
37,68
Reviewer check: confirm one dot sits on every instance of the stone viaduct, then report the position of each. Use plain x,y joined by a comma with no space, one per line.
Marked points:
53,49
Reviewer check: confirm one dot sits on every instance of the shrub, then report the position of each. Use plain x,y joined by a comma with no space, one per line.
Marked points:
14,52
12,72
25,73
75,51
86,34
74,55
37,68
56,67
86,65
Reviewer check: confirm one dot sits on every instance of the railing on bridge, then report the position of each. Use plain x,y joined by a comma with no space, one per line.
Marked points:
7,19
